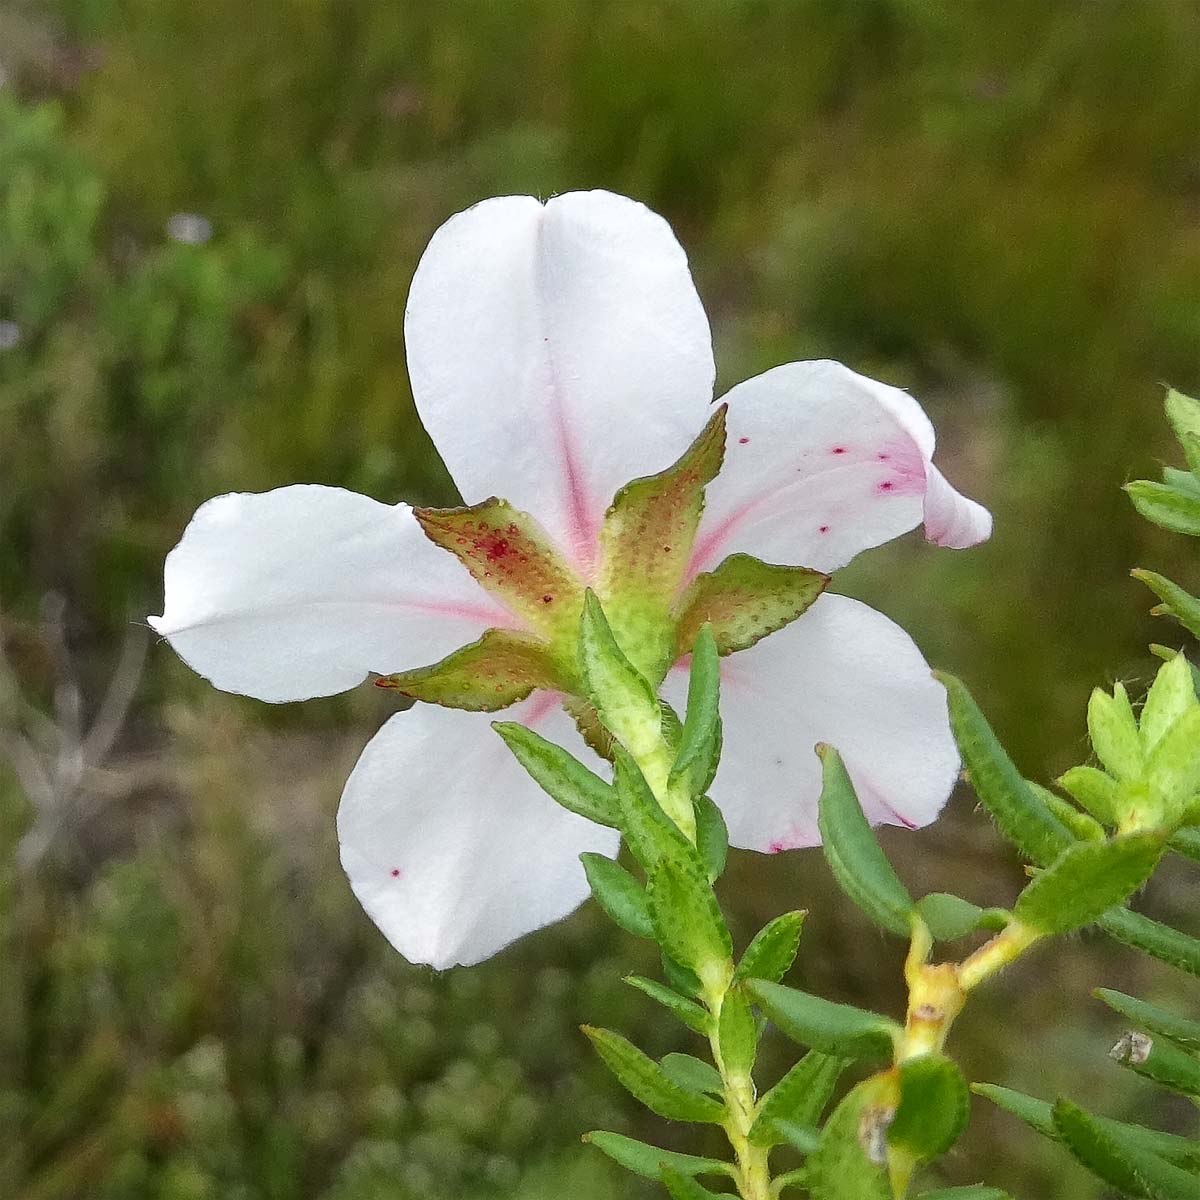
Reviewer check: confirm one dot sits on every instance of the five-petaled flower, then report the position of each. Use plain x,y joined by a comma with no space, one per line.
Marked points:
556,351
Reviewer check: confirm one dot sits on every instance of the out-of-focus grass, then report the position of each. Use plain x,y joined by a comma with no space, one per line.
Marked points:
993,203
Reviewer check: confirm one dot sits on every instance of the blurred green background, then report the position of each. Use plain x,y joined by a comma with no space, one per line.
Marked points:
210,211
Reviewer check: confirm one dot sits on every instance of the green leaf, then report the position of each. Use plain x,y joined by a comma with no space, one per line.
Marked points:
624,698
648,1161
687,919
499,669
1154,938
1186,841
1158,1059
1170,696
1093,790
1021,817
644,1079
712,837
773,949
1173,768
1184,414
687,1011
1159,1021
805,1138
683,1187
700,741
824,1025
692,1073
681,978
737,1034
948,917
1086,880
933,1109
799,1097
743,600
649,833
849,1162
1119,1161
562,777
1086,828
619,894
1114,732
974,1191
1177,603
855,857
1176,509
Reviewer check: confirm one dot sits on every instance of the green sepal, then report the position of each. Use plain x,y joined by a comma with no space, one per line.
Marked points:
972,1191
799,1097
744,600
820,1024
498,670
1159,1021
1171,695
737,1034
1084,826
1154,938
1021,817
649,833
1120,1161
933,1109
646,544
1173,767
684,1187
688,1011
1094,791
692,1073
949,917
561,776
622,696
1086,880
513,558
773,949
646,1081
712,837
648,1161
1175,602
688,924
1113,730
1173,508
855,857
1039,1115
849,1162
618,894
1183,412
1158,1059
700,740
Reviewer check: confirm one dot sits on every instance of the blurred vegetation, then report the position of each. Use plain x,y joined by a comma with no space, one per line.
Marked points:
995,203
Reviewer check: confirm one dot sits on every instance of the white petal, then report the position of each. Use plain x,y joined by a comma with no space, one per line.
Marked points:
301,591
843,674
450,847
823,463
557,351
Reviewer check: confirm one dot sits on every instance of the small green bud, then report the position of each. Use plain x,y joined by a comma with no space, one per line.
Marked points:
1114,732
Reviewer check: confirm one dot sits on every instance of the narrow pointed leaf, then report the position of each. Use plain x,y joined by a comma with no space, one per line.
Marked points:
1093,790
1186,841
1154,938
837,1029
648,1161
1086,880
948,917
849,1162
1022,818
973,1191
805,1138
1176,509
743,600
682,979
643,1078
855,857
1158,1059
692,1073
1176,602
773,949
1159,1021
1084,826
799,1097
933,1109
737,1034
683,1187
1183,412
712,837
560,775
687,919
650,834
1120,1162
687,1011
619,894
700,740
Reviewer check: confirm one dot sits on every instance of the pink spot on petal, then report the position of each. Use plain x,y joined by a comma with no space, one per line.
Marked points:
838,450
395,872
886,486
883,457
823,529
776,848
743,441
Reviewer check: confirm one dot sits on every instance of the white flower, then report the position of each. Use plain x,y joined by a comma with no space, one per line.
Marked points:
555,352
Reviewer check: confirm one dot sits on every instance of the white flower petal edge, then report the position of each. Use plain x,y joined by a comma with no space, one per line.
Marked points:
302,591
450,847
557,351
822,463
843,674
